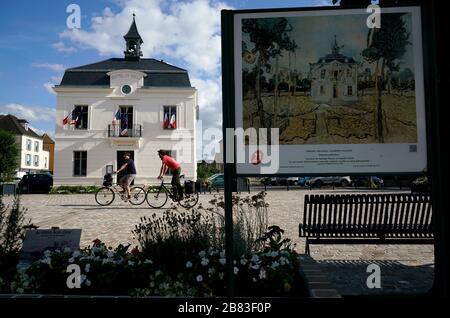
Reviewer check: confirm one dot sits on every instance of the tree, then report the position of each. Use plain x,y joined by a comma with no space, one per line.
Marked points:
384,46
270,37
9,153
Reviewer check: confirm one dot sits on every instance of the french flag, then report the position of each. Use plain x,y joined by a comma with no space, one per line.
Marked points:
166,121
66,119
173,122
75,117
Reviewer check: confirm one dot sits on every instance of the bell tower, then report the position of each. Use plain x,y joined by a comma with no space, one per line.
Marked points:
133,43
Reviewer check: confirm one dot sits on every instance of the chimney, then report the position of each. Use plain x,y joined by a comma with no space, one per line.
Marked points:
24,123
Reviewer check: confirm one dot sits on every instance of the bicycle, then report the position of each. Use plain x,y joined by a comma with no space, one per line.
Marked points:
106,194
157,197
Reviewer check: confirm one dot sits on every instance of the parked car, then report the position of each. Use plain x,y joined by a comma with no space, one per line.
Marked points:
330,180
36,183
302,181
216,181
362,181
292,180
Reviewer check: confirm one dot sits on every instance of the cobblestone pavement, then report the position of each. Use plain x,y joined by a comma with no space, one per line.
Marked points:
404,268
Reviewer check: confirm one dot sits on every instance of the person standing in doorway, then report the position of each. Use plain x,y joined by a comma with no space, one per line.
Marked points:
170,163
130,173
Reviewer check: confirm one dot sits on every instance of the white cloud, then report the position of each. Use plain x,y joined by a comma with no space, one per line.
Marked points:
53,67
49,87
30,113
61,47
183,31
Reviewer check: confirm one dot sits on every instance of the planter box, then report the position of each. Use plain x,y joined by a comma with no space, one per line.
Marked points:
7,189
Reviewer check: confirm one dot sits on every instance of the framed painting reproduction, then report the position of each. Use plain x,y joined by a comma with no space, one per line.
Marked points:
326,92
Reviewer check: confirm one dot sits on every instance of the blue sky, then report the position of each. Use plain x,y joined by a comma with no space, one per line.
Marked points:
36,46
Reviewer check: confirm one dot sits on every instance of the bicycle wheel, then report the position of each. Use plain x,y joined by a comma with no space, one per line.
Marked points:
189,200
104,196
156,197
137,195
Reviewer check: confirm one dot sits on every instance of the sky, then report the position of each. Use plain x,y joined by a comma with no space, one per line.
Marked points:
36,47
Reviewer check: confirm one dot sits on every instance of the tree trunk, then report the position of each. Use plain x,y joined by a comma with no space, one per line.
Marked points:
275,100
258,93
379,107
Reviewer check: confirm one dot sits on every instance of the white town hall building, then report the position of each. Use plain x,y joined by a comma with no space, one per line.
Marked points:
133,104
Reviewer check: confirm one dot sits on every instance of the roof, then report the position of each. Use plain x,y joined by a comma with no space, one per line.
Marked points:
336,57
159,73
133,32
11,123
47,139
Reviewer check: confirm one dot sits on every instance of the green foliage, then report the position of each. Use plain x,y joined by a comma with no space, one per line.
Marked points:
205,170
73,189
9,153
12,220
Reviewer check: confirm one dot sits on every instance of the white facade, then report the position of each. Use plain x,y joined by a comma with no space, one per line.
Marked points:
33,158
147,104
334,83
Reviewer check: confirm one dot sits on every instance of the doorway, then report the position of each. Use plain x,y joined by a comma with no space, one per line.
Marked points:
121,161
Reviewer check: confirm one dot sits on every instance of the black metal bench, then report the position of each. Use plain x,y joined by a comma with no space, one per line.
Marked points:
367,219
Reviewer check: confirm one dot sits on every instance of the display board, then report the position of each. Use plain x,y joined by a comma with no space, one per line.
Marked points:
331,94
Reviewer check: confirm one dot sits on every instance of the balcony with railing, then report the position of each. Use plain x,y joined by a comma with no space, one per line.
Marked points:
133,131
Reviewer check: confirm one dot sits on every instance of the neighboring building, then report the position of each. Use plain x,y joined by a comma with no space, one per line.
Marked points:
334,78
33,158
49,145
130,104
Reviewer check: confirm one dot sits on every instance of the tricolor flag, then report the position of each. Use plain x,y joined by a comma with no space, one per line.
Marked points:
166,120
173,122
116,117
75,116
66,119
123,125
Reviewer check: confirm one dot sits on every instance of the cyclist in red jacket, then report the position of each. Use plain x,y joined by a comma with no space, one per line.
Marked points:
175,168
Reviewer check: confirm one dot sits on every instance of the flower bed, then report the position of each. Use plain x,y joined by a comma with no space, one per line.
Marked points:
180,253
122,272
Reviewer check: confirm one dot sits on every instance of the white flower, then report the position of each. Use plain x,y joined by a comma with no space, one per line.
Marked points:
157,273
87,268
205,261
202,253
243,261
221,275
256,266
83,278
76,254
152,284
110,254
46,260
274,254
222,261
71,260
19,290
262,274
199,278
236,270
67,249
87,282
255,258
47,253
147,261
254,280
211,271
130,263
106,261
188,264
275,265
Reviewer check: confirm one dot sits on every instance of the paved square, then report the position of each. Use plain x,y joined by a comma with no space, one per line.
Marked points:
404,268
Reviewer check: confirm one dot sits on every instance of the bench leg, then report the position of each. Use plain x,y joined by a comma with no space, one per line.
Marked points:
307,251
